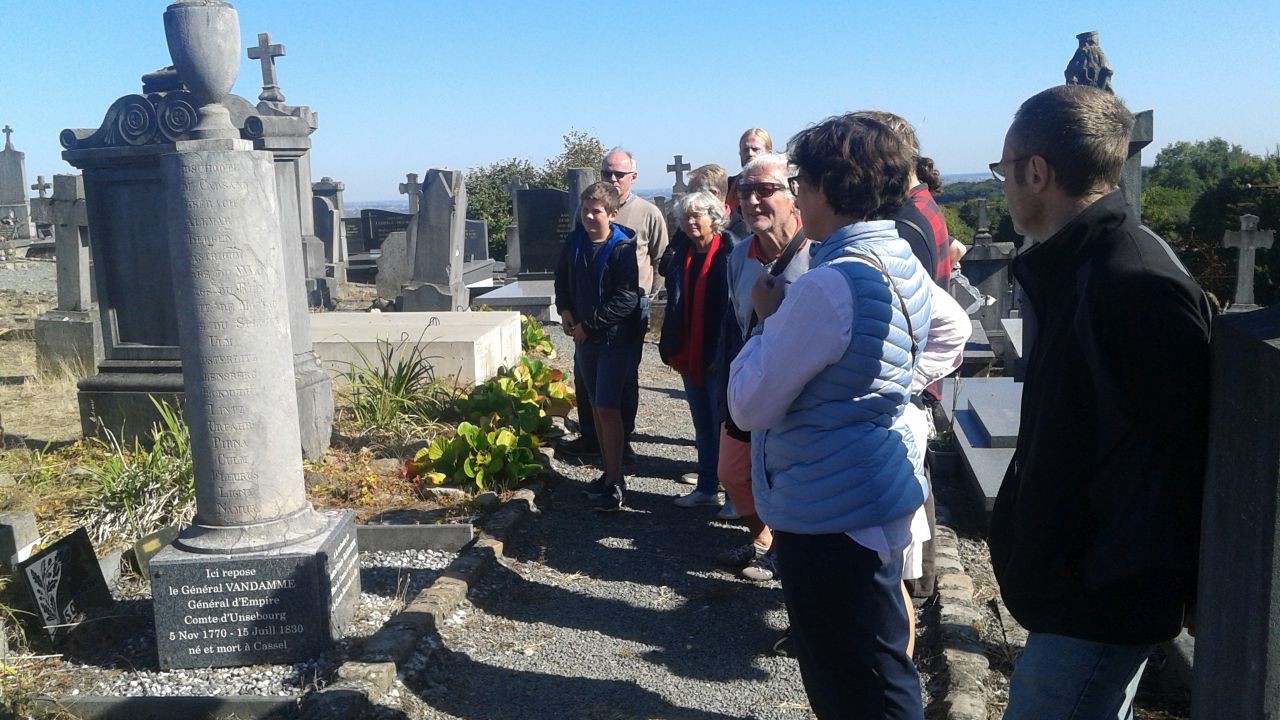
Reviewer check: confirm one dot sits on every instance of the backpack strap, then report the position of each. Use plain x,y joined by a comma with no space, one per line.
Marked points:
874,261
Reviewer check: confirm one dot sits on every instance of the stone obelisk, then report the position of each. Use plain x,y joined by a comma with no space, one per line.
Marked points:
260,576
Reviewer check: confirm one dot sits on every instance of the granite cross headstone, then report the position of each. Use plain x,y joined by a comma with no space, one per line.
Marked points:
266,53
413,189
678,167
13,189
1249,239
41,186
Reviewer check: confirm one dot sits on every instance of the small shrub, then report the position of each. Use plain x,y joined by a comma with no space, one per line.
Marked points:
135,492
497,459
398,394
534,337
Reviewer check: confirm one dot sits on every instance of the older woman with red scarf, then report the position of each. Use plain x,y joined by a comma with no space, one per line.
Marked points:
697,299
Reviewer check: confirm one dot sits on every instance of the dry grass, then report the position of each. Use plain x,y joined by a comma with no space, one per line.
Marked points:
45,406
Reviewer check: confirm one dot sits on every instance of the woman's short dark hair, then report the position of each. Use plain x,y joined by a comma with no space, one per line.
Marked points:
860,164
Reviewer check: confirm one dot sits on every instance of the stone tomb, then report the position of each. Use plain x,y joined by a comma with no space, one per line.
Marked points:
63,581
468,346
224,610
984,415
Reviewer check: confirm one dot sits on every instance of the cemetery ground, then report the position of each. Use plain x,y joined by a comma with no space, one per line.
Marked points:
582,615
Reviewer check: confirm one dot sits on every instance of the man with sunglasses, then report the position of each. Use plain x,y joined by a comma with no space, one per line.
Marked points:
1094,535
619,169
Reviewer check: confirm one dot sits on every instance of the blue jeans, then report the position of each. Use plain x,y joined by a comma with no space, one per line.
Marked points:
1064,678
704,406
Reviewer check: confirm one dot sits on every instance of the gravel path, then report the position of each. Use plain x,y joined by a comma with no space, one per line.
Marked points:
617,616
29,275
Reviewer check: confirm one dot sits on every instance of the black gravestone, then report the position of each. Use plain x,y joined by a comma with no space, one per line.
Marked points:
356,242
63,581
266,607
476,243
544,225
376,225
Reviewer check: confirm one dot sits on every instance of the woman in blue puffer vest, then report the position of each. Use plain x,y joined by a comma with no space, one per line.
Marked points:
822,386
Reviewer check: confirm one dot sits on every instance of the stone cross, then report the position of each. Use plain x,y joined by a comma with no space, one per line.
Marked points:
1249,239
41,186
8,141
267,54
413,189
678,168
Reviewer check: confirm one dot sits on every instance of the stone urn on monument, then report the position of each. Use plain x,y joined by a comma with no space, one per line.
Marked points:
260,575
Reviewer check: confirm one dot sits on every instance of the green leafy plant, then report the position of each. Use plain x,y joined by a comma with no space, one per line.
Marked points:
397,393
139,490
497,459
534,337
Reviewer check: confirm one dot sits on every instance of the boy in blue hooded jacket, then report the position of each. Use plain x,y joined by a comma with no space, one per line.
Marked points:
597,292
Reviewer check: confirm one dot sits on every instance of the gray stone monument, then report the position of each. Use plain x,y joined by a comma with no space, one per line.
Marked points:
326,211
437,247
132,242
413,189
395,265
986,265
70,336
579,179
259,576
679,167
13,187
513,260
1249,239
1237,649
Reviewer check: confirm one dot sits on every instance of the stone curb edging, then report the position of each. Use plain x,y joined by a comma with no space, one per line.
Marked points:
963,662
367,679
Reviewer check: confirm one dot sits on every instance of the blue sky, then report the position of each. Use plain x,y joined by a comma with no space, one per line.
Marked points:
404,85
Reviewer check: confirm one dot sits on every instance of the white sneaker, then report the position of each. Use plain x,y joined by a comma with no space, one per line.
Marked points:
728,512
696,498
688,479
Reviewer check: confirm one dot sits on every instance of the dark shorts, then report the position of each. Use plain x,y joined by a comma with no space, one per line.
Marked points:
605,369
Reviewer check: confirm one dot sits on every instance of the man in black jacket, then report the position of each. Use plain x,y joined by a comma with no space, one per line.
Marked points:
1094,536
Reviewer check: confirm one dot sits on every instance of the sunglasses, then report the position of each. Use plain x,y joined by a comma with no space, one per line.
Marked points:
616,174
761,189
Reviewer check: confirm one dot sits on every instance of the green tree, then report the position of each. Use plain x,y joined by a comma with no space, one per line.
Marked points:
1199,165
956,226
489,197
581,150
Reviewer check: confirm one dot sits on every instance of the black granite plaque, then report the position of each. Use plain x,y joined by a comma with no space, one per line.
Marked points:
269,607
356,242
64,581
378,224
476,245
544,225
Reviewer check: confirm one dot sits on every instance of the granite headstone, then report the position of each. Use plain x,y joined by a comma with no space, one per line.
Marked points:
63,582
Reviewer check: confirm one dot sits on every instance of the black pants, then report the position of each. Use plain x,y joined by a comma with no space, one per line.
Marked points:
850,628
630,404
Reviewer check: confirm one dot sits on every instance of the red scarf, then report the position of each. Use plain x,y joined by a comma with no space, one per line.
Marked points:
689,359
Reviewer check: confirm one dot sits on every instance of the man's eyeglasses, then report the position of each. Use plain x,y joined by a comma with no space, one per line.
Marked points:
616,174
761,189
997,170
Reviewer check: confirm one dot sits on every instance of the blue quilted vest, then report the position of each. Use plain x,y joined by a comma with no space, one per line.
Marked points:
843,458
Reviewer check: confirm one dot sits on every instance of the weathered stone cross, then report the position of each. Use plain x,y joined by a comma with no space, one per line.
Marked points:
678,168
41,186
1249,239
267,54
413,189
8,141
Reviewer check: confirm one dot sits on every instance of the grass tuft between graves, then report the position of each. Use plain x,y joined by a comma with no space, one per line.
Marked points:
395,397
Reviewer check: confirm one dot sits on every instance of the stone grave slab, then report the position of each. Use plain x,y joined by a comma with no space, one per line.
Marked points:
470,346
1014,363
973,405
543,215
18,535
254,608
531,297
978,354
376,225
62,582
395,265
